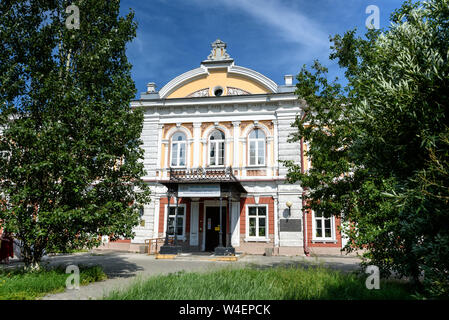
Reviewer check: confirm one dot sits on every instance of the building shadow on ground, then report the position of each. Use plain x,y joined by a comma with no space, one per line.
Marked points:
114,264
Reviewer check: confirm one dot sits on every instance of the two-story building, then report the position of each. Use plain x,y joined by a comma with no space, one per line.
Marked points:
214,138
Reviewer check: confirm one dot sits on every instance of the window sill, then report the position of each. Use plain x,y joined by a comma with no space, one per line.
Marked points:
258,166
324,241
256,239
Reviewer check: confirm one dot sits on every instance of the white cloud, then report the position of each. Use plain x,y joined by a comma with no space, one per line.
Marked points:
305,38
286,20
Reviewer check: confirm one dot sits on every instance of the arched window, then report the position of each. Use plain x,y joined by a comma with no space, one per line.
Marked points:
256,143
216,148
178,150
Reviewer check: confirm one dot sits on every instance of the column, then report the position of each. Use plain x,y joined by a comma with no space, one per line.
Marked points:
175,231
194,222
220,239
167,219
236,133
196,144
235,224
228,222
156,217
228,151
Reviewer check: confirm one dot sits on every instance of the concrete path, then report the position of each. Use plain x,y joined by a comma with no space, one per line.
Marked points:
123,269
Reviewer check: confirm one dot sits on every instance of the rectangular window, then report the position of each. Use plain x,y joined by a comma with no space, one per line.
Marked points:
261,153
256,152
171,221
252,153
212,154
182,150
174,154
323,227
257,221
221,154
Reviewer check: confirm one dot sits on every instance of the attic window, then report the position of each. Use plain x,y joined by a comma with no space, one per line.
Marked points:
218,91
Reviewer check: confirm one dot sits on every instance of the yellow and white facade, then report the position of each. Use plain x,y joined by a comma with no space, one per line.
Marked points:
221,116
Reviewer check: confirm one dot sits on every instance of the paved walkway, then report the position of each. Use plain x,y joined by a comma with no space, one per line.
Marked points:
123,269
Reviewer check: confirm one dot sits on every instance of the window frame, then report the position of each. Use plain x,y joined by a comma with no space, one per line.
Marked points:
323,238
217,143
178,142
265,238
264,144
141,217
181,205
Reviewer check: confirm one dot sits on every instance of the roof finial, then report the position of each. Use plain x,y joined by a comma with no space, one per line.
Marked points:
218,51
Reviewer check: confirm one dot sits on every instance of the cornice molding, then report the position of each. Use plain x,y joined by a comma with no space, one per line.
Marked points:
182,79
265,81
265,98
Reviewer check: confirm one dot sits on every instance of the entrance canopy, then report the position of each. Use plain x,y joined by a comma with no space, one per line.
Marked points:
204,183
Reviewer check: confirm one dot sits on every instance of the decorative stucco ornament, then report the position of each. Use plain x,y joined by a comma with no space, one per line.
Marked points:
236,92
200,93
218,51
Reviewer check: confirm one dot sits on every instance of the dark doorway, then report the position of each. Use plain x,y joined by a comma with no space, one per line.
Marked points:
212,227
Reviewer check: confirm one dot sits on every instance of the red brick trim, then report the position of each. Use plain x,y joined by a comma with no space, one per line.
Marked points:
312,243
163,202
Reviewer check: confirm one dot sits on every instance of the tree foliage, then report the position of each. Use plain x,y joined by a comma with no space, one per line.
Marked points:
379,147
71,167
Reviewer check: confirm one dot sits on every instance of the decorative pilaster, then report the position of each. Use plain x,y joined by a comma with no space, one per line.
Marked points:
196,144
156,218
245,157
166,143
276,221
236,160
276,147
160,128
205,156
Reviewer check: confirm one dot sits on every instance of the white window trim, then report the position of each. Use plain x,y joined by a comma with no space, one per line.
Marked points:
142,217
217,142
255,239
183,237
264,140
178,150
332,238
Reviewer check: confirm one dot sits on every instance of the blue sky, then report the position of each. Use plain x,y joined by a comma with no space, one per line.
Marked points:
273,37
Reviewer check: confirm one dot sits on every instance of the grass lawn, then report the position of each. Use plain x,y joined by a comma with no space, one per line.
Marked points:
20,285
280,283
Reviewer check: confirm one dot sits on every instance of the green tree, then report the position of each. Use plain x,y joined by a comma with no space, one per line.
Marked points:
379,146
71,164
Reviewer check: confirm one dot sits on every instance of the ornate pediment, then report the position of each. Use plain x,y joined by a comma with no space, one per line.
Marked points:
218,52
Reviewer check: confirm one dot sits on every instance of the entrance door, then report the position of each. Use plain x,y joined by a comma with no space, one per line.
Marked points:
213,227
